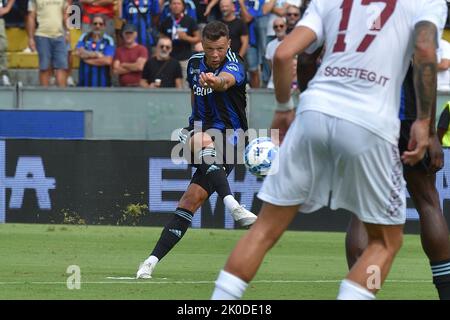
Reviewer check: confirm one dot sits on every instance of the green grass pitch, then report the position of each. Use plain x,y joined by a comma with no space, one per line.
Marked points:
303,265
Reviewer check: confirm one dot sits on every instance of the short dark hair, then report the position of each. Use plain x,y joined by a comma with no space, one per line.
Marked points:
215,30
182,1
98,15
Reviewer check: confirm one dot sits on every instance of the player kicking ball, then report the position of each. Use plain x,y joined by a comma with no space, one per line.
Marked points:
215,134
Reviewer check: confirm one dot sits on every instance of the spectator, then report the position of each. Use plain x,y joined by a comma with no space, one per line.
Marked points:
249,11
130,58
17,15
93,7
443,77
189,10
5,7
183,31
277,9
49,39
162,71
444,126
279,26
144,14
238,29
96,52
292,17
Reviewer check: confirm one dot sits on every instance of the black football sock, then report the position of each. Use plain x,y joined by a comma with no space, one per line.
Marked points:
441,278
214,172
173,232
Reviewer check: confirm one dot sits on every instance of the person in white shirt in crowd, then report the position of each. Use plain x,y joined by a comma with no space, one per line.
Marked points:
279,26
443,54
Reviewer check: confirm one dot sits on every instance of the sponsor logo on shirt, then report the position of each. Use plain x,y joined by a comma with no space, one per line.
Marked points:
232,67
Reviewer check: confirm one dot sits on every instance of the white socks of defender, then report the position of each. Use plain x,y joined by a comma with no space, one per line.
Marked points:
230,202
350,290
151,260
228,287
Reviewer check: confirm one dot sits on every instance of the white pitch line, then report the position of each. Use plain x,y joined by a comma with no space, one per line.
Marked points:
190,282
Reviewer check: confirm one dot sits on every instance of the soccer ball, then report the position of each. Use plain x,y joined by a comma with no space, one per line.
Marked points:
259,155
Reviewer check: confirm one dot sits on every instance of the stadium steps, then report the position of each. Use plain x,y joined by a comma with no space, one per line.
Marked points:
18,42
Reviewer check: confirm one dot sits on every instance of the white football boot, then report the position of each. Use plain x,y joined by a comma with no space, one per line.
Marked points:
243,217
145,270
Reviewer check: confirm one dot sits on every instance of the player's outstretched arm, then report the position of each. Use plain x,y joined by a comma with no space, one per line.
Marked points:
295,43
425,79
221,82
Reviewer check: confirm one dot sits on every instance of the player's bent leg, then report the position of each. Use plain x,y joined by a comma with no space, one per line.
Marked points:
249,252
355,240
211,165
370,271
175,229
433,228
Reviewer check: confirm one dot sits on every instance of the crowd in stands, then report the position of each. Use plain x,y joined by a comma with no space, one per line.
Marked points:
148,43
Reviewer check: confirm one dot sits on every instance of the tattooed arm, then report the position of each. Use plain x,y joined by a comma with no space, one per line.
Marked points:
425,82
425,68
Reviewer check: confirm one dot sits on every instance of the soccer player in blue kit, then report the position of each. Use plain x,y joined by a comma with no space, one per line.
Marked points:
217,125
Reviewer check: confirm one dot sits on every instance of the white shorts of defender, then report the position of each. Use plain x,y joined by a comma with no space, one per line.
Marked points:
325,160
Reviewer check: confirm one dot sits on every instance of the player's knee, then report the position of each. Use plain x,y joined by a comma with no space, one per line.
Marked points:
192,202
394,243
201,140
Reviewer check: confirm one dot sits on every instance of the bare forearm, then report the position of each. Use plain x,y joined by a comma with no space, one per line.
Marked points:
134,67
268,7
282,68
104,61
444,65
211,5
119,70
31,24
279,11
245,15
9,6
425,69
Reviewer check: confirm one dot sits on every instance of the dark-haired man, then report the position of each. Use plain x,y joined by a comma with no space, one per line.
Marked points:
215,134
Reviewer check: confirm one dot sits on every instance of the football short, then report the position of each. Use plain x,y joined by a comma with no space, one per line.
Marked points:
330,161
405,129
229,152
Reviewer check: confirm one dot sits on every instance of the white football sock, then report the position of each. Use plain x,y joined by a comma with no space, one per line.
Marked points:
350,290
230,202
151,260
228,287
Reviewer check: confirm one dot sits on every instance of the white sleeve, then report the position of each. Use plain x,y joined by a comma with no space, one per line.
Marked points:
434,11
312,19
31,5
269,51
445,50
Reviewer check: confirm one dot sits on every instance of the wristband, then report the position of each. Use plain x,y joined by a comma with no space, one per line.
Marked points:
287,106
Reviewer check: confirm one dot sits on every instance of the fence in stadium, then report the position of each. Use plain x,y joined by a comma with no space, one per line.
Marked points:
134,113
130,182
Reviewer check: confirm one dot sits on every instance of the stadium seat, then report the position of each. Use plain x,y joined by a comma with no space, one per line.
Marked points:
18,42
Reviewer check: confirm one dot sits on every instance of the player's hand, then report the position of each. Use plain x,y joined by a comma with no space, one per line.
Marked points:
208,80
436,155
418,142
282,121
